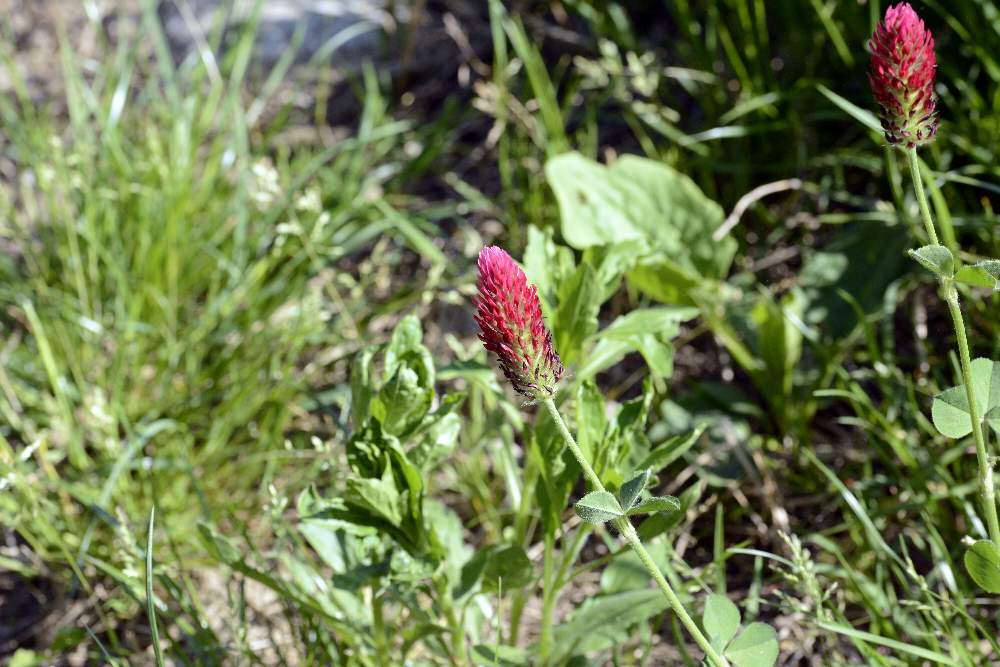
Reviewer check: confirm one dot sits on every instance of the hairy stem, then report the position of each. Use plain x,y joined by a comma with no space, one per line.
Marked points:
632,537
918,188
986,487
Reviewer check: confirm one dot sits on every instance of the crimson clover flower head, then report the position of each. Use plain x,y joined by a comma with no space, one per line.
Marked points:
902,73
510,319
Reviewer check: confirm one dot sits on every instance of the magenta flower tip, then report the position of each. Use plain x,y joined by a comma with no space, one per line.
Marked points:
903,67
510,319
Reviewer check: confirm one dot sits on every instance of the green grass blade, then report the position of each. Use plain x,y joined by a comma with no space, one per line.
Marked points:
902,647
873,533
863,116
150,600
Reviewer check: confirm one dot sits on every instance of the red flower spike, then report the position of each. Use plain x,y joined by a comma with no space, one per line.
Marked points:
902,76
510,317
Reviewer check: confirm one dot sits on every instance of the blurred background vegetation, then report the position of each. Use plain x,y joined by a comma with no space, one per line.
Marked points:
207,214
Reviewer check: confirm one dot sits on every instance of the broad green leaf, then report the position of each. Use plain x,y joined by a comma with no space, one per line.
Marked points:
655,504
402,402
333,514
950,413
403,395
630,490
681,219
950,409
982,274
611,262
378,496
367,449
721,620
982,562
667,281
671,450
757,646
506,563
576,313
387,486
311,583
362,385
625,573
596,208
862,261
404,345
598,507
664,320
546,264
326,542
507,566
446,534
647,331
604,621
774,331
437,440
639,199
935,258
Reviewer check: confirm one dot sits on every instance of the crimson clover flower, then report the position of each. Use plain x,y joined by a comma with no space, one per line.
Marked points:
902,76
510,318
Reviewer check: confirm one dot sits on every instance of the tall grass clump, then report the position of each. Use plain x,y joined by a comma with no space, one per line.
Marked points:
161,310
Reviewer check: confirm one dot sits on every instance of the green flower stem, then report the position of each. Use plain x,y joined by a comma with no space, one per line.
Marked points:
918,187
632,537
986,486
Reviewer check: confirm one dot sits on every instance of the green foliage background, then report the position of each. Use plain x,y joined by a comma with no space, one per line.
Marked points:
269,340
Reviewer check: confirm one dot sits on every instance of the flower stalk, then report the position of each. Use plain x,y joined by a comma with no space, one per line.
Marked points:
903,69
950,292
918,189
510,319
627,531
986,487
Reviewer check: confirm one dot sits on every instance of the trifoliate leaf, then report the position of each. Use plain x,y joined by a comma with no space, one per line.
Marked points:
598,507
935,258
